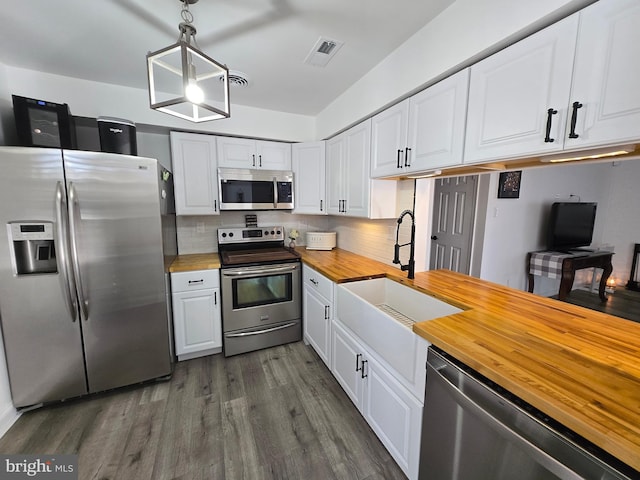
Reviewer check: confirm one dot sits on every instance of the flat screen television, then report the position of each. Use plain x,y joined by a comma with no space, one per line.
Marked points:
571,225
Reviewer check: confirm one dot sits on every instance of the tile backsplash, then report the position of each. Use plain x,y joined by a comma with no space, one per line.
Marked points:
198,234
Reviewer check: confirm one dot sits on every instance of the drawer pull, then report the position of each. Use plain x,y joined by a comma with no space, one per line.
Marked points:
314,281
196,281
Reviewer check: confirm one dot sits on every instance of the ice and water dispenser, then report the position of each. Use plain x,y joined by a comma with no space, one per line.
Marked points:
33,247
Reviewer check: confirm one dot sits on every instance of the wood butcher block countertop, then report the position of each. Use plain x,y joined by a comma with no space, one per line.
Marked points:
196,261
579,366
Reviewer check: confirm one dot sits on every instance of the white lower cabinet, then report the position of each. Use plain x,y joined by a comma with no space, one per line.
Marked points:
394,414
196,313
317,308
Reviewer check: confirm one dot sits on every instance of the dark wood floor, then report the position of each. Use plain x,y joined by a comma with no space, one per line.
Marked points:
622,303
272,414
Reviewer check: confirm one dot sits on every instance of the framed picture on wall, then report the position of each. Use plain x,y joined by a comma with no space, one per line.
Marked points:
509,184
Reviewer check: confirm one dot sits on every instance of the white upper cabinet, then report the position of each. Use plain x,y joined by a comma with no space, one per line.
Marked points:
356,170
351,191
335,181
423,132
273,155
436,124
389,140
236,152
518,97
571,86
606,78
248,153
195,173
309,171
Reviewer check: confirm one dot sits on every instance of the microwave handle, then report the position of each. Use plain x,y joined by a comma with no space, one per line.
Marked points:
275,192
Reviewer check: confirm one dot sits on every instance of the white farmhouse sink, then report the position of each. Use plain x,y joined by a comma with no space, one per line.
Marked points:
381,312
399,301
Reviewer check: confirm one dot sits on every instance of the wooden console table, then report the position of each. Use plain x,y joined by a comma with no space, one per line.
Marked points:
564,266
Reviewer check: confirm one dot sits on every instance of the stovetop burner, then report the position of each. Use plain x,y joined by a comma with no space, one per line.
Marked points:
253,246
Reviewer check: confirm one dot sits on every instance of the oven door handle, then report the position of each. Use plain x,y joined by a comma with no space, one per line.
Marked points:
259,332
258,271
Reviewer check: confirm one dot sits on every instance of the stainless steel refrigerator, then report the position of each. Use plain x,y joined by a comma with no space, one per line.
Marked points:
82,272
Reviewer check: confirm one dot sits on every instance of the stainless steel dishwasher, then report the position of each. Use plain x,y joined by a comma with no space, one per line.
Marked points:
472,429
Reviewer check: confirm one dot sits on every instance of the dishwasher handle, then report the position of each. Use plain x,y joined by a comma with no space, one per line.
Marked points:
543,458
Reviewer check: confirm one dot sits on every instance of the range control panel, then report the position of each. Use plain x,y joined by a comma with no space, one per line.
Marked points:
248,235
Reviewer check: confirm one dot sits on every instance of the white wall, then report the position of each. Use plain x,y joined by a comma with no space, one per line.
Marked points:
467,30
622,219
94,99
514,227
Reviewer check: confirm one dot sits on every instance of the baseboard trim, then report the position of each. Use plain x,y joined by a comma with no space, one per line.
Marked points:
7,418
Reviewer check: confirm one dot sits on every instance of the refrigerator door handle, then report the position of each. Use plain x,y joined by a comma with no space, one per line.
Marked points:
73,207
65,269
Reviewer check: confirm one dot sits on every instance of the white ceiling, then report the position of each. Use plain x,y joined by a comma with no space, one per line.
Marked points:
107,41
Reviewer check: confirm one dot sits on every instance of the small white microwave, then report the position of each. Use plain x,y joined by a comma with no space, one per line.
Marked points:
246,189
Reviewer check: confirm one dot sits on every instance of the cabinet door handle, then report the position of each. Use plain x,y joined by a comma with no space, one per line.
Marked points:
260,160
407,157
358,367
321,205
574,119
254,160
362,374
215,205
550,113
215,298
399,160
326,312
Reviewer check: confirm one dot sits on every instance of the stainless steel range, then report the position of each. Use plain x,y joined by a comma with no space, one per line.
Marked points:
261,289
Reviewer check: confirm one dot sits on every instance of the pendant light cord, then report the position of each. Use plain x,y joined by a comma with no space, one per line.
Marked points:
187,30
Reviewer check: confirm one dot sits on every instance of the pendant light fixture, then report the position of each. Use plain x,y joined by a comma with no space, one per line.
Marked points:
185,82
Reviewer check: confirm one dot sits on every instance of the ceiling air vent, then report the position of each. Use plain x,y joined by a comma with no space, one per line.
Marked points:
323,51
237,79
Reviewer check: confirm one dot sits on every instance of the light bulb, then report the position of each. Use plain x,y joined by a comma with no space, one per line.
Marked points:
194,93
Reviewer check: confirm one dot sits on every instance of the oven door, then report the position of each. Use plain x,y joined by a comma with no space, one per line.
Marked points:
260,295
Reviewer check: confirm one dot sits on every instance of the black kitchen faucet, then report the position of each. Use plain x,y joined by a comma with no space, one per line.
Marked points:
411,266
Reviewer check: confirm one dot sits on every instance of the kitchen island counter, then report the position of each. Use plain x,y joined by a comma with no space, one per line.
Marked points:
579,366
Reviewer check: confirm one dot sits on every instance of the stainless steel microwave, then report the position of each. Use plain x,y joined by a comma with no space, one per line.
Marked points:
246,189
